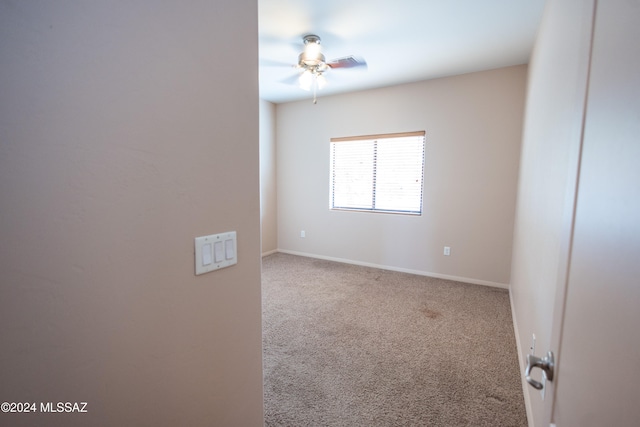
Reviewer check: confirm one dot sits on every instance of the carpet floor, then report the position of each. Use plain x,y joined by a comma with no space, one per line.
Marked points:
347,345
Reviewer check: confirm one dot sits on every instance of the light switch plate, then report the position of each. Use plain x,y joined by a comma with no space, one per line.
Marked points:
221,258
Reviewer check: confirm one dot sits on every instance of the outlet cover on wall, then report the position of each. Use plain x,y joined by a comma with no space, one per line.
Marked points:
303,234
447,250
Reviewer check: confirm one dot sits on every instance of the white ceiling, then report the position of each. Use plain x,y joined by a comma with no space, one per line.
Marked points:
401,40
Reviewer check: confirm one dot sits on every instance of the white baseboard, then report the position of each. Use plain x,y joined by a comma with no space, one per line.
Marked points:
525,387
402,270
264,254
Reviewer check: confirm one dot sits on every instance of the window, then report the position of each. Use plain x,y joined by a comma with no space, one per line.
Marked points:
378,173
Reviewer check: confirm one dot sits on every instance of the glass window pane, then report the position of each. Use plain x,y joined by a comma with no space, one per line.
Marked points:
399,174
385,174
352,174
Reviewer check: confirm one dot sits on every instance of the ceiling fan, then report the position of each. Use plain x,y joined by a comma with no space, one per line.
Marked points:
312,65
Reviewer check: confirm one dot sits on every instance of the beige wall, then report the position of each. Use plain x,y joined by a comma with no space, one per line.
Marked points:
268,183
126,130
548,174
473,127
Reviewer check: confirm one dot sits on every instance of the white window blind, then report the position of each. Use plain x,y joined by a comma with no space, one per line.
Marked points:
380,173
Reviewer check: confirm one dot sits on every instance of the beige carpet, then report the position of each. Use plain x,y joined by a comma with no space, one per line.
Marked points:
354,346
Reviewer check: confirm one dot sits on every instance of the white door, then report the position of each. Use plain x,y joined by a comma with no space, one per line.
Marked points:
597,335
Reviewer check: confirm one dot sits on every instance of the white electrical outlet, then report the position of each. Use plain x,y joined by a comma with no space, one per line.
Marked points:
447,251
303,234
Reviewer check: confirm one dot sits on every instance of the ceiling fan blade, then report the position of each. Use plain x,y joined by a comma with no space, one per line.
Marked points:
271,63
291,80
347,62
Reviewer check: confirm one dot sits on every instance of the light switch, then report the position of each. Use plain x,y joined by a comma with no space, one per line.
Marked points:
215,251
229,249
206,254
219,251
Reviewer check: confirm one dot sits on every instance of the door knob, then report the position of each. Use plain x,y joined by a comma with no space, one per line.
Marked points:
544,363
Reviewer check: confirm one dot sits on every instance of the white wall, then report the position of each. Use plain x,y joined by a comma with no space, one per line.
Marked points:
123,135
473,127
268,183
548,174
601,315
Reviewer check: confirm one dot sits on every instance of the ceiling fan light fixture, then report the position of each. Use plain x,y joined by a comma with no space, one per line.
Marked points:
312,49
311,55
321,80
306,59
312,65
306,80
